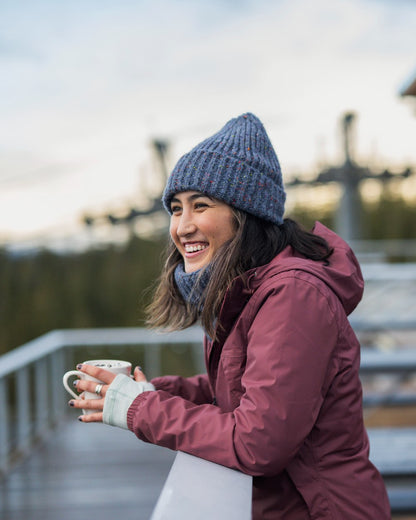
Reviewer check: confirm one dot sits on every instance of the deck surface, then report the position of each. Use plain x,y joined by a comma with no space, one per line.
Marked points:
102,473
85,471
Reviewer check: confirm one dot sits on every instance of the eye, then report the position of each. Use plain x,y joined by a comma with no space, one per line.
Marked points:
175,208
200,205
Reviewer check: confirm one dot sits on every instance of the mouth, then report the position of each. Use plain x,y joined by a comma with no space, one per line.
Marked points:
192,248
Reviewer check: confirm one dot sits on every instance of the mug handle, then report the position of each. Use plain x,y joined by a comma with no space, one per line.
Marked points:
65,382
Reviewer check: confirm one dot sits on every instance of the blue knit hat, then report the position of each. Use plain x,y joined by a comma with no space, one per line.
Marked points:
237,165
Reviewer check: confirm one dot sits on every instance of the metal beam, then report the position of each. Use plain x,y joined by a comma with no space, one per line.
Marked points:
196,488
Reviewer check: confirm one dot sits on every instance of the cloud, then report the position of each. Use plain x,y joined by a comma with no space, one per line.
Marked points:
17,169
87,84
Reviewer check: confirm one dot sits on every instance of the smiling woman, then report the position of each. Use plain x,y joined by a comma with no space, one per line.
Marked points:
281,399
199,226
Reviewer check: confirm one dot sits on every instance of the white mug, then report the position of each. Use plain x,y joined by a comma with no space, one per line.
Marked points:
112,365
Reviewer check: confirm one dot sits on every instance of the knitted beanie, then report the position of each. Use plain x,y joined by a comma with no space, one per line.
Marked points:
237,165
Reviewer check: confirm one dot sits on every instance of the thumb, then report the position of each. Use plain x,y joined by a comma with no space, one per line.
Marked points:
138,375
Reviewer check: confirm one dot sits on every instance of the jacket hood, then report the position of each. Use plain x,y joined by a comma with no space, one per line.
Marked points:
343,274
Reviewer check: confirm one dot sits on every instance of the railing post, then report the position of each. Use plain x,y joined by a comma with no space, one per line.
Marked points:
152,360
41,397
23,410
57,369
4,426
199,359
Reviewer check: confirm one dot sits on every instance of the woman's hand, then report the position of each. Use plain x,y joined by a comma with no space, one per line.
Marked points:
83,385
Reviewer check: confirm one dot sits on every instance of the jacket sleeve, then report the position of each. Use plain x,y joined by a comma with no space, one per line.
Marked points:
195,389
290,362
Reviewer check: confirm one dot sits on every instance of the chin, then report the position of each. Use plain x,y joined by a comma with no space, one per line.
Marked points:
191,269
194,267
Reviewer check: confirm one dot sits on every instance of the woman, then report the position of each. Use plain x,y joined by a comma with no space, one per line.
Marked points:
281,399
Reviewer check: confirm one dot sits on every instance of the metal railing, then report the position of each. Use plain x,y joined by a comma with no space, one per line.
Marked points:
217,492
383,249
31,378
32,398
39,366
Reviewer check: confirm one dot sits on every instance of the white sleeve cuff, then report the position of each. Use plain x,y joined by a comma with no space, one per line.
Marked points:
119,397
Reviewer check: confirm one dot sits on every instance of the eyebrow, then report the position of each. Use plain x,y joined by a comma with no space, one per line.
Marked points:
193,197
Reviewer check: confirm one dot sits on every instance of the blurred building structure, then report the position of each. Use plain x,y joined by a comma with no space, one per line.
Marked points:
349,175
410,89
161,149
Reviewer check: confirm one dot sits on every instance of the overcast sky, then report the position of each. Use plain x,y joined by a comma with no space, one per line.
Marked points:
85,85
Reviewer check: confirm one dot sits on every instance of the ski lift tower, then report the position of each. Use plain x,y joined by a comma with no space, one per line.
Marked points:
349,175
161,149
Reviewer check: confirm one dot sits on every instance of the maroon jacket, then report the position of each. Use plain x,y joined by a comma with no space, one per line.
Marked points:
282,400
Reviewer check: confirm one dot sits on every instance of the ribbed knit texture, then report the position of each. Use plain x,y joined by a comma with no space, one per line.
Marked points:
120,396
192,285
237,165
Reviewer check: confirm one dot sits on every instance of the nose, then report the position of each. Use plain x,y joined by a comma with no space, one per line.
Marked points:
186,224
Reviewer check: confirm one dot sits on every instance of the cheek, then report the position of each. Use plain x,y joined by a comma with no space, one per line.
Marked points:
228,229
223,234
173,233
172,229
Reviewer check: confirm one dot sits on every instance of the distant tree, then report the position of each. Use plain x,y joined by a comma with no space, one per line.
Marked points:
98,288
390,217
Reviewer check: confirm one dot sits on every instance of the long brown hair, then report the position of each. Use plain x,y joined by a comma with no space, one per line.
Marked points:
255,243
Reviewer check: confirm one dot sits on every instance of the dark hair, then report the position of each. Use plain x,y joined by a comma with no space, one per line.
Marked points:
255,243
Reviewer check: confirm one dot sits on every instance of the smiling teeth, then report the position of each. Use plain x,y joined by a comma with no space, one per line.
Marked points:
192,249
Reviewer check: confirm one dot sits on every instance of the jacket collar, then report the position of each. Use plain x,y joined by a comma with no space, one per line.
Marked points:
234,302
243,287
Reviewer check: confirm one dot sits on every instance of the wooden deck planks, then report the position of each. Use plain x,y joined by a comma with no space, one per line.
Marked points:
393,451
96,471
86,471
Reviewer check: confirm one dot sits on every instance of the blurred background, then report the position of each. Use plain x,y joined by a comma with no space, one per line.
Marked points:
99,100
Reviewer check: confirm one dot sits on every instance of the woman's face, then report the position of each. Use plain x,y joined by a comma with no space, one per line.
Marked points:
199,226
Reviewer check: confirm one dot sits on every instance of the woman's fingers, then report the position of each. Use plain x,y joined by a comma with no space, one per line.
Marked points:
87,404
97,372
138,375
91,417
83,385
